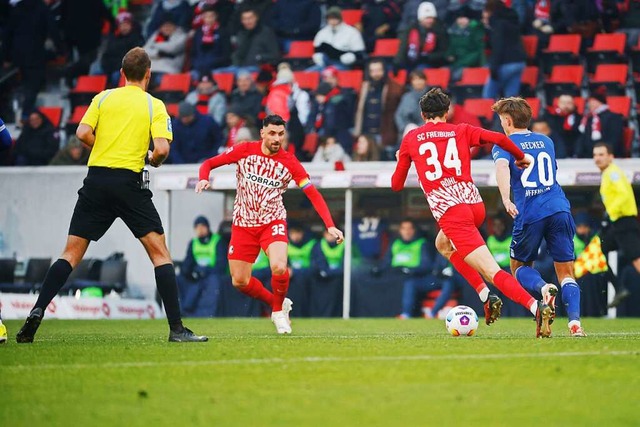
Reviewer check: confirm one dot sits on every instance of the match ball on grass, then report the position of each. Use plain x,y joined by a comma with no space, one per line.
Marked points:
461,321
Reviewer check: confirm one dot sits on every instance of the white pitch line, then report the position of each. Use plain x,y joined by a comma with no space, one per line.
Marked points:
318,359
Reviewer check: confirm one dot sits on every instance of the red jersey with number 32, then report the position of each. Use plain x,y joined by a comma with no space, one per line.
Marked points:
440,152
261,182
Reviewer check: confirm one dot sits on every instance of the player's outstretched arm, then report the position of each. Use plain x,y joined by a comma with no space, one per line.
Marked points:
503,176
502,141
321,207
232,155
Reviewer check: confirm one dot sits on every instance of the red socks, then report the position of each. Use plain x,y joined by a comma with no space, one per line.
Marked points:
510,287
470,275
280,285
255,289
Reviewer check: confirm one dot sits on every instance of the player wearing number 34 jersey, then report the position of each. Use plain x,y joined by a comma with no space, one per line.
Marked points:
264,172
440,153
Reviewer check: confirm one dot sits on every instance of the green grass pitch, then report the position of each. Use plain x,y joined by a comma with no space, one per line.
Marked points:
328,373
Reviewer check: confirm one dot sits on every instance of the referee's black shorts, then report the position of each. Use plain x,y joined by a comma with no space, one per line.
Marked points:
108,194
623,235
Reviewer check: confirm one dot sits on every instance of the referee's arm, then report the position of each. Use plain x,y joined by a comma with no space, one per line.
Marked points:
160,152
85,134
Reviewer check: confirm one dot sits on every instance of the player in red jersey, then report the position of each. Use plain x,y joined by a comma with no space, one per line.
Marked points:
264,172
440,152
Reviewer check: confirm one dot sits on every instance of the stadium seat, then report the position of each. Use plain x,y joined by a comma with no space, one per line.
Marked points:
563,49
438,77
620,105
307,80
172,109
350,79
54,114
36,271
385,48
530,44
628,135
480,108
529,81
76,116
578,101
86,88
612,76
564,79
606,49
400,78
224,81
471,84
173,87
300,53
535,106
352,16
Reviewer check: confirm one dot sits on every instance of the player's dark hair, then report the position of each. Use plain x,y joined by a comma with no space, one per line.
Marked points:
135,64
434,103
606,145
417,74
411,221
517,108
273,119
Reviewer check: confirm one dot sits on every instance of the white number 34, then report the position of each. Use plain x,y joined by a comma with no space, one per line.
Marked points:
451,159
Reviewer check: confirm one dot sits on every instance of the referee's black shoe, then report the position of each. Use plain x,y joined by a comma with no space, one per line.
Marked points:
30,327
186,335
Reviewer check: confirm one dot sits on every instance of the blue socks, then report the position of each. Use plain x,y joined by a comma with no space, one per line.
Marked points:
571,299
530,279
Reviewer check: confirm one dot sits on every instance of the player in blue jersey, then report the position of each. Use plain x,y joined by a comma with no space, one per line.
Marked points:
540,210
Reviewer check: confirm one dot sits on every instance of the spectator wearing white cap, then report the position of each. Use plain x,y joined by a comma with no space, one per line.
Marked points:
337,44
425,43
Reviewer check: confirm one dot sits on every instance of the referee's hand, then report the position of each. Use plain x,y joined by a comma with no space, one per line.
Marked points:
203,184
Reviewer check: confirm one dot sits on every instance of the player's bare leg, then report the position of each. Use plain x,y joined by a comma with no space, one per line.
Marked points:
243,281
277,253
492,302
54,280
570,296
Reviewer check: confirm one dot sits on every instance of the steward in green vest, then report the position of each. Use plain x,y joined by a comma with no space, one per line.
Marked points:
205,254
299,251
327,257
408,254
499,243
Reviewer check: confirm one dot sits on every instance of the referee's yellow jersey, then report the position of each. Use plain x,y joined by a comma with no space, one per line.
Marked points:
123,120
617,194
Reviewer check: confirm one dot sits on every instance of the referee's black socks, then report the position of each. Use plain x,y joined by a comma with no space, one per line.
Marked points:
168,289
54,280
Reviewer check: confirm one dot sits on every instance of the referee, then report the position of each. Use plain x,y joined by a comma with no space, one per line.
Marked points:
118,125
623,231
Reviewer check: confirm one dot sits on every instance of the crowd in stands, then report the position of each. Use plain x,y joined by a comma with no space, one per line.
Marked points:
345,74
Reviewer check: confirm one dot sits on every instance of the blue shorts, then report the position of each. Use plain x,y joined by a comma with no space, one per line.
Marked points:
558,230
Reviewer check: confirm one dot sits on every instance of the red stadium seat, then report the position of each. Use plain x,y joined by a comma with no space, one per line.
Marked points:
613,76
224,81
620,105
54,114
471,84
535,107
352,16
386,48
400,78
563,49
480,108
529,81
78,113
173,87
307,80
300,53
530,44
172,109
628,135
90,84
564,79
438,77
350,79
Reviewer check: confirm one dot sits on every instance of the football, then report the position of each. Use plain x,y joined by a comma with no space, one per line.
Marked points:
461,321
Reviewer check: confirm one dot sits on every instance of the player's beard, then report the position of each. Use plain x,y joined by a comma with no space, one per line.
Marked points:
272,149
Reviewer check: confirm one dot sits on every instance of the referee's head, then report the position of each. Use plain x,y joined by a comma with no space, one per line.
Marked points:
136,66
